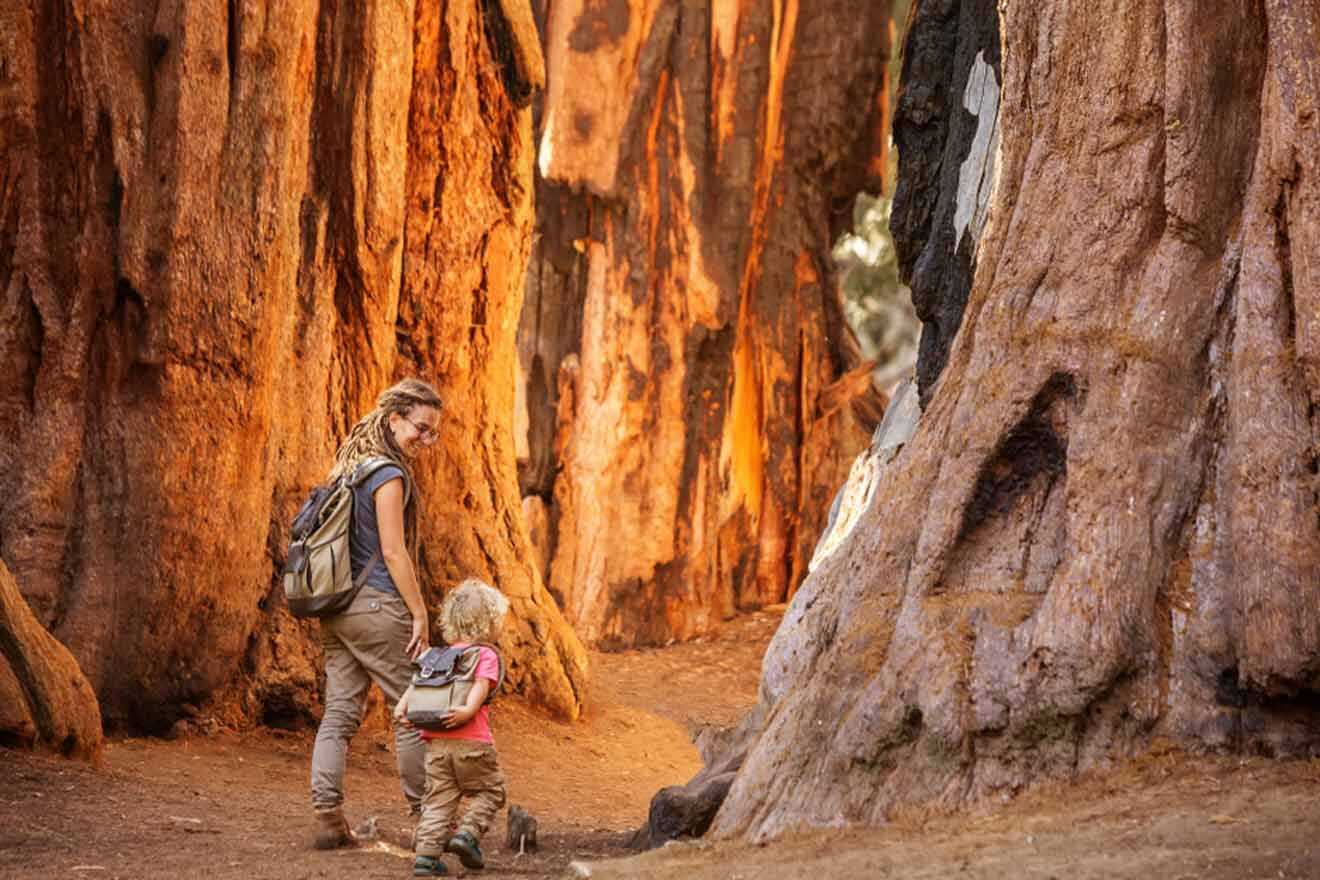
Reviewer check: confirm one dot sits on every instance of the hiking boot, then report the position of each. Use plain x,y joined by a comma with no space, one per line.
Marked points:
464,845
429,866
332,830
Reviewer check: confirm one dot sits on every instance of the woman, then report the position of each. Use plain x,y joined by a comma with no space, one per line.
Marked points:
385,628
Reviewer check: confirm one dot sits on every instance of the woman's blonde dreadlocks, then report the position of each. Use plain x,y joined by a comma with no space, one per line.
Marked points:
371,436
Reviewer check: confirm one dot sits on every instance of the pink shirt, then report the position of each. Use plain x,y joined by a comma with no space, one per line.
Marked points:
488,667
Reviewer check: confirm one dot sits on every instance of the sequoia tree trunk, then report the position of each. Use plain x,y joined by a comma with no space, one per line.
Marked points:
1106,527
44,698
223,228
683,345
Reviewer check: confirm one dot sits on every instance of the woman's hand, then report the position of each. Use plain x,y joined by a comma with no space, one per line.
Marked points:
421,638
401,710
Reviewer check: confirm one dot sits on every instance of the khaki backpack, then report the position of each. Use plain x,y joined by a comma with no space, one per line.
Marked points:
442,683
318,573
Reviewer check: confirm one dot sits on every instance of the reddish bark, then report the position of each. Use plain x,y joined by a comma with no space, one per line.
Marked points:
1106,528
225,228
46,700
682,323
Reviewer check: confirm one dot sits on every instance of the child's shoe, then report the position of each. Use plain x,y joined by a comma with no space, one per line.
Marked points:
429,866
464,845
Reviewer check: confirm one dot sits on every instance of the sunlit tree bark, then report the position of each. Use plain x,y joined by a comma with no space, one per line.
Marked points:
691,386
46,700
223,228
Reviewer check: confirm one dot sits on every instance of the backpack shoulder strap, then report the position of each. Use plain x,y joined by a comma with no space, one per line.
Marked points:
368,467
354,479
499,658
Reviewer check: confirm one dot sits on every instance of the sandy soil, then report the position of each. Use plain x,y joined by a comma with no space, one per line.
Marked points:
235,805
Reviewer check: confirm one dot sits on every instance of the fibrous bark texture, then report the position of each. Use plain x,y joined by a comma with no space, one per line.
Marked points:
682,343
46,701
223,228
1106,527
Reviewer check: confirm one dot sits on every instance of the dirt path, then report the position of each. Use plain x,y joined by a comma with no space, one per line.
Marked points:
235,806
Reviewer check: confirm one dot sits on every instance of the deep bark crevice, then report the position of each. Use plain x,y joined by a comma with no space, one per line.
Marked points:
504,50
36,338
1283,248
10,195
233,50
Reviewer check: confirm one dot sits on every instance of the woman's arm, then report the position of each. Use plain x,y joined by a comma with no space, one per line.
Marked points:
394,550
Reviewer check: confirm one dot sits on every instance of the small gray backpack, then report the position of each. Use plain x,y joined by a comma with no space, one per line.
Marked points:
318,573
442,683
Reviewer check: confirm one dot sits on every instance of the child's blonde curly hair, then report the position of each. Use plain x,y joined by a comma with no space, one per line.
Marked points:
472,612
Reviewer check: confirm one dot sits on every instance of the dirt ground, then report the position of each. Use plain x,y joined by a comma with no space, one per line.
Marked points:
235,805
1170,816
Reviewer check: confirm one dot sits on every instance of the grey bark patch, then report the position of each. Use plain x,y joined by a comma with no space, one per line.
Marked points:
977,174
858,491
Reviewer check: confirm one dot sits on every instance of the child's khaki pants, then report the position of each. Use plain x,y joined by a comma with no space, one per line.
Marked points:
458,768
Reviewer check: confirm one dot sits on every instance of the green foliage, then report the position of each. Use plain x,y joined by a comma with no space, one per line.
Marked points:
876,304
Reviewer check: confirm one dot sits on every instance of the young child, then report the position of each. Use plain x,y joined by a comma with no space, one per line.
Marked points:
461,762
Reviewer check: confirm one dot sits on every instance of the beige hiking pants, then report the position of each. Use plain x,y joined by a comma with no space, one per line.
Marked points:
366,642
458,769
